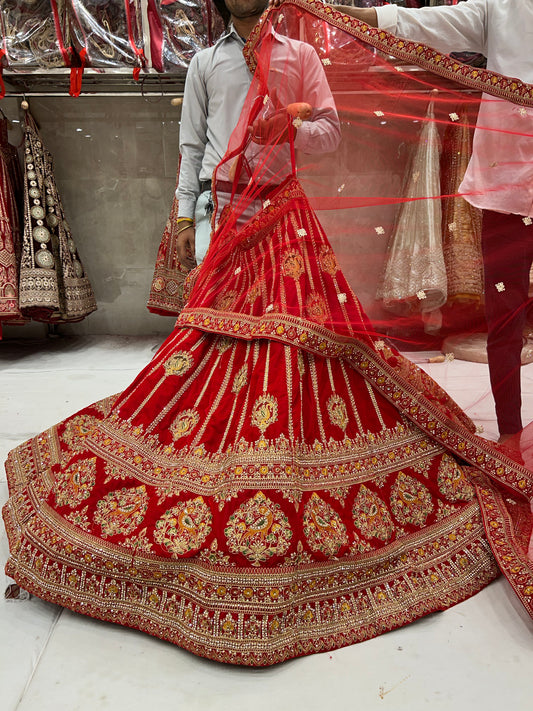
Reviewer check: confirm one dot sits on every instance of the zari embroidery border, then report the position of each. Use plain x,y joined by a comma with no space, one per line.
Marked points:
261,463
246,616
422,55
380,373
515,565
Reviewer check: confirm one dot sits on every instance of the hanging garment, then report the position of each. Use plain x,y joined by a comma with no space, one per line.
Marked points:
53,285
179,29
278,481
109,34
166,290
414,278
10,181
29,34
461,221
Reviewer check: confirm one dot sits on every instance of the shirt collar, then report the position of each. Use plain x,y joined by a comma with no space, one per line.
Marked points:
230,33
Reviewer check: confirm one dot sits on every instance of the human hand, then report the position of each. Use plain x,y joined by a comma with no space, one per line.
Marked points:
272,130
185,247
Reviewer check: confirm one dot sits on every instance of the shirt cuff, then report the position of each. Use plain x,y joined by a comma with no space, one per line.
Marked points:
186,207
302,137
387,17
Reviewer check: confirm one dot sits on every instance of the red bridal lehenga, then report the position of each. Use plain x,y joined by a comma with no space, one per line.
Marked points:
278,481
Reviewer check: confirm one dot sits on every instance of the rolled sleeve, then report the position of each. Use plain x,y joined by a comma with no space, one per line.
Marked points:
322,133
387,17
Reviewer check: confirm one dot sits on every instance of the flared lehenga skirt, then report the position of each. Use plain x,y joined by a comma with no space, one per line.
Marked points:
254,498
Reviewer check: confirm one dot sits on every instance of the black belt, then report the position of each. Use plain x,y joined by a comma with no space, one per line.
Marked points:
205,185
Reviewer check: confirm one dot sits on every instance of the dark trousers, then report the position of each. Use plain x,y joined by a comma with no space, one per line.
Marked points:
507,256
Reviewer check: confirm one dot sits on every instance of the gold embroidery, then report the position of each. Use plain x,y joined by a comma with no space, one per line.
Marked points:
316,307
240,380
139,542
80,519
410,500
452,481
327,260
121,511
223,343
264,412
75,483
78,430
258,530
184,527
301,363
337,412
184,423
292,264
323,527
179,363
224,300
371,516
214,556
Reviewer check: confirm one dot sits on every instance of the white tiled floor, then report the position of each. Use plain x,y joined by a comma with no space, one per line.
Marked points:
477,655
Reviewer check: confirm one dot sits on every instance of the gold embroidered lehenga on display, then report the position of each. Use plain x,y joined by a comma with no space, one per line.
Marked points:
278,481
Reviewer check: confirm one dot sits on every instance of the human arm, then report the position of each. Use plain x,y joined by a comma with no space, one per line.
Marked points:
448,28
321,133
193,138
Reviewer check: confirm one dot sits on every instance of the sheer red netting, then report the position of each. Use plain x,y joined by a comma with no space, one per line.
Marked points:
391,195
280,480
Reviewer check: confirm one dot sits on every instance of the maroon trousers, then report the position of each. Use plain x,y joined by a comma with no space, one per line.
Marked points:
507,256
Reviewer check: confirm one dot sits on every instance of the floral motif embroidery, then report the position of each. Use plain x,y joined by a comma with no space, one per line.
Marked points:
452,481
214,556
254,291
264,412
184,423
292,264
410,500
327,260
121,511
301,363
140,542
258,530
114,471
359,545
80,519
240,380
225,300
323,527
75,483
371,516
298,557
445,510
184,527
179,363
223,343
316,307
77,430
337,412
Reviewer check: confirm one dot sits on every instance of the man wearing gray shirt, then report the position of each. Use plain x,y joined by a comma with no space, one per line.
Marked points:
217,83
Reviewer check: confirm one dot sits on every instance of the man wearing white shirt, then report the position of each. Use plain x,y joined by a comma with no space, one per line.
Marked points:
499,178
216,86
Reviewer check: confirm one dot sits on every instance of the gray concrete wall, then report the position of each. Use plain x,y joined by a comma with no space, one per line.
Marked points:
115,163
